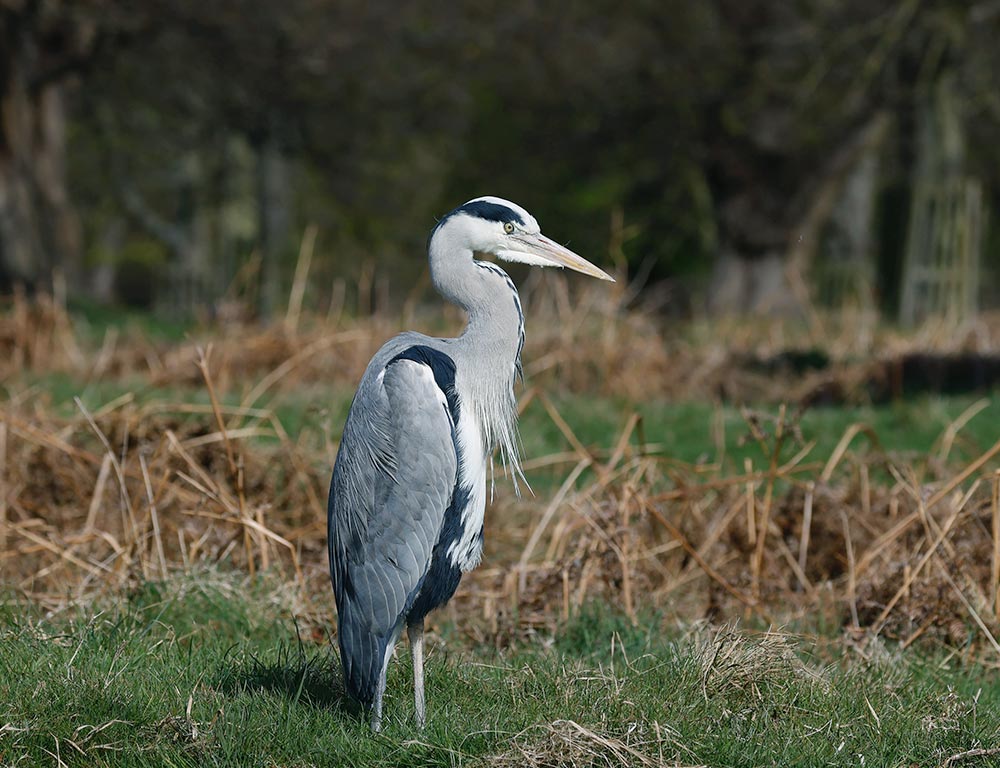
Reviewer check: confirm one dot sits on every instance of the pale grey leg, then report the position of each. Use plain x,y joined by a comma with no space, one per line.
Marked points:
416,634
380,690
377,707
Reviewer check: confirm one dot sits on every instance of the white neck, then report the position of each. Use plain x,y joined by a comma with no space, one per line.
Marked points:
487,353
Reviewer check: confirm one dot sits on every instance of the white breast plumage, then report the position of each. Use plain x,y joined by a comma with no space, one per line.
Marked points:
466,550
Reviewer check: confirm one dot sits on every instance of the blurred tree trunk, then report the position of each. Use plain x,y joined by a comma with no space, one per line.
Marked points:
842,270
755,286
274,195
770,242
39,230
184,233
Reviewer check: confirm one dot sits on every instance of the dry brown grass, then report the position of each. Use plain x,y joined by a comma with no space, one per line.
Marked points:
592,340
567,744
758,667
902,559
137,490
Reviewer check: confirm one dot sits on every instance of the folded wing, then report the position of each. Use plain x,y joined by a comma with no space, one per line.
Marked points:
394,478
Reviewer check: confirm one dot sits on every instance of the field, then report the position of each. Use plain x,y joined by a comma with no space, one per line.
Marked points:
774,543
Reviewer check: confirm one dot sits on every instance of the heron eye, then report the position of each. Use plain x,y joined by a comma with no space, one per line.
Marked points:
508,228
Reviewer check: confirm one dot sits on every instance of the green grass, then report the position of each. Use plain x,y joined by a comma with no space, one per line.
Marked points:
684,430
908,430
91,320
212,671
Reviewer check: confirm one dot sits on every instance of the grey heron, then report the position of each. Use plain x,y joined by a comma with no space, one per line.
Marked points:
408,494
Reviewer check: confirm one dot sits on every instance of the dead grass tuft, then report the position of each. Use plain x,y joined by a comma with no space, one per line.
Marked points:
759,666
568,744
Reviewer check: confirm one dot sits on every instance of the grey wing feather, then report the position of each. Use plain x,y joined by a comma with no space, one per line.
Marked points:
392,482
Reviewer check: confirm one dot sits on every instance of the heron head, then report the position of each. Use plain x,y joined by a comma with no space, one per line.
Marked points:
504,229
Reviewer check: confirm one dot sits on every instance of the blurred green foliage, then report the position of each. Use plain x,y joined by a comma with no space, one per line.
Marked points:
216,132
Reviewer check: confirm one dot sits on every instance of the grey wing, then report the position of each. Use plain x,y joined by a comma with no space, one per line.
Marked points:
393,480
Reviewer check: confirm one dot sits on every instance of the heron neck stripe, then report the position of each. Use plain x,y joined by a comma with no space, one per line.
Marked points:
491,267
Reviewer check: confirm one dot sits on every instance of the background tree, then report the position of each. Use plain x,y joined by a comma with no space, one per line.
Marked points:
201,138
42,45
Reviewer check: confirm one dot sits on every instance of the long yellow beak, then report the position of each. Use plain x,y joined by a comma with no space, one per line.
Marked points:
543,252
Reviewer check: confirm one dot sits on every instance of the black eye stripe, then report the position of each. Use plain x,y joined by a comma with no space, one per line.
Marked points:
482,209
491,212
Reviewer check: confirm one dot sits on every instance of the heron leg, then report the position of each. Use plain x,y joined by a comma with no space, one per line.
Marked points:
415,632
380,692
377,705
